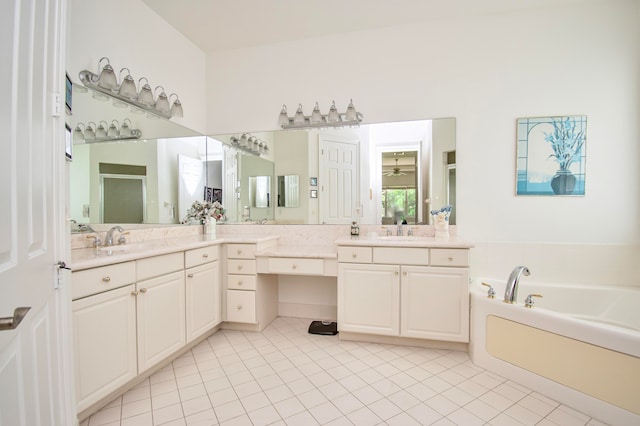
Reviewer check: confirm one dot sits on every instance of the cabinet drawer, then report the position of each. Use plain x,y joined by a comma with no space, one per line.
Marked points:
237,266
449,257
241,282
297,266
401,255
241,251
200,256
354,254
241,306
159,265
97,280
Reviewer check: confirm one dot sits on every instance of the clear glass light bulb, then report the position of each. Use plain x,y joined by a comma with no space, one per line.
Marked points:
351,114
283,118
334,116
316,115
299,117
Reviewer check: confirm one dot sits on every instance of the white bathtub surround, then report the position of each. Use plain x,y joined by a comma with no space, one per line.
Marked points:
579,344
591,264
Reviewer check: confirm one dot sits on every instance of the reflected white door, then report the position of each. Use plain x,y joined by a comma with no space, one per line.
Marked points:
35,374
191,183
338,179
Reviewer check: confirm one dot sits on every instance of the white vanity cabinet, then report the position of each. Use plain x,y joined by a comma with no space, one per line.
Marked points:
202,279
398,291
104,334
251,299
128,317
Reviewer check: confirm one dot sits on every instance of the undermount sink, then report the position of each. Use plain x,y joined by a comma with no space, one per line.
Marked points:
119,247
402,238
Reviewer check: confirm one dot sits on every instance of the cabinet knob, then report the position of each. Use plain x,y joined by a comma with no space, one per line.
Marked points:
143,290
239,283
239,267
205,255
134,293
189,275
294,266
239,307
395,273
106,279
354,255
450,258
239,251
404,273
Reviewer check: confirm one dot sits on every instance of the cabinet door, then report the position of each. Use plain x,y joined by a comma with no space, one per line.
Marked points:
104,340
161,318
203,299
369,298
435,303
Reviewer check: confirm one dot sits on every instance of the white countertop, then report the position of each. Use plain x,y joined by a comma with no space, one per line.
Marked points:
92,258
406,241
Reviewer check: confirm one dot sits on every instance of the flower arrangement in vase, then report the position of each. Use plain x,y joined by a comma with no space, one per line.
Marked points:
202,211
566,142
441,221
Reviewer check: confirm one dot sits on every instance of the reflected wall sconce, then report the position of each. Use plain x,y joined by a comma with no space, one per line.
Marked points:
105,84
350,117
105,132
249,144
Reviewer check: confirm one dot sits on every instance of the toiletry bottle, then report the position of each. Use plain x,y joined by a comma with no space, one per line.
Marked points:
355,229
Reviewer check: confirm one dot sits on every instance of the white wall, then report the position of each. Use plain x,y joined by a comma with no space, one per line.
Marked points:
486,71
132,35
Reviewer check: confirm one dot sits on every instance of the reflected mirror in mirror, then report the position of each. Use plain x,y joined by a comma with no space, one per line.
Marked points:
350,170
260,191
288,191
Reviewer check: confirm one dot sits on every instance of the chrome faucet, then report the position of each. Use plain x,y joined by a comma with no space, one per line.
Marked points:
399,230
511,290
108,240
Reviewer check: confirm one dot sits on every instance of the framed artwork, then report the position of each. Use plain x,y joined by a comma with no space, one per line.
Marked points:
550,155
68,143
313,181
314,193
212,194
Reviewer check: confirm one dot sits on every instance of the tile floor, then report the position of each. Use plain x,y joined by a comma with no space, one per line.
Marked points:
285,376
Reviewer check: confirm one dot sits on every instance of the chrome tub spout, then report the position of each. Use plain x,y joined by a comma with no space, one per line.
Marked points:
511,290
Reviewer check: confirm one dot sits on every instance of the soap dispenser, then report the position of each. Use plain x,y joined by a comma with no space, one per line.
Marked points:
355,229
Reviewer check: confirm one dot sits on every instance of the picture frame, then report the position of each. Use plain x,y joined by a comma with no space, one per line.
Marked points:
314,193
68,98
68,143
313,181
551,155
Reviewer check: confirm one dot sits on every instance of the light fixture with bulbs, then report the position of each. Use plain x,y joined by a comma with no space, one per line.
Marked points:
350,117
249,144
105,84
105,132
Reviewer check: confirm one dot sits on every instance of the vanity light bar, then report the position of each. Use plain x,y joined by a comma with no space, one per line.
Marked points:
105,85
249,144
104,132
350,117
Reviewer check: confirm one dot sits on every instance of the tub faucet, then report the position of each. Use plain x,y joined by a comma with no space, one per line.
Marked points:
108,240
511,290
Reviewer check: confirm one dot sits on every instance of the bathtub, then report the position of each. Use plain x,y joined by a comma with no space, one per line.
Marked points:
579,345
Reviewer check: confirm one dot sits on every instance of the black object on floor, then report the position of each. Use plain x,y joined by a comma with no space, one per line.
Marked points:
323,327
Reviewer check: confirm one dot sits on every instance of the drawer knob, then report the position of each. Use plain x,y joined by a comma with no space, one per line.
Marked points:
294,266
189,275
239,283
450,258
239,267
106,279
239,251
354,255
239,307
205,255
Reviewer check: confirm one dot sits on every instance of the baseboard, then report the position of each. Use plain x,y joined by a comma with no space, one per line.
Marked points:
404,341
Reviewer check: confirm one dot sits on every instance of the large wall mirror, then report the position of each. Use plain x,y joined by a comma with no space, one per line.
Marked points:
377,174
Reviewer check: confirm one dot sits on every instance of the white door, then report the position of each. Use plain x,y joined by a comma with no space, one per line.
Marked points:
35,367
338,180
190,184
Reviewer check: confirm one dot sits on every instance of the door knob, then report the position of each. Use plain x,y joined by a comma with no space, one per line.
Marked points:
10,323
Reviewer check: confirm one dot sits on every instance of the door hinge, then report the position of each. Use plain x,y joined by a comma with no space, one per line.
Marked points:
56,105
